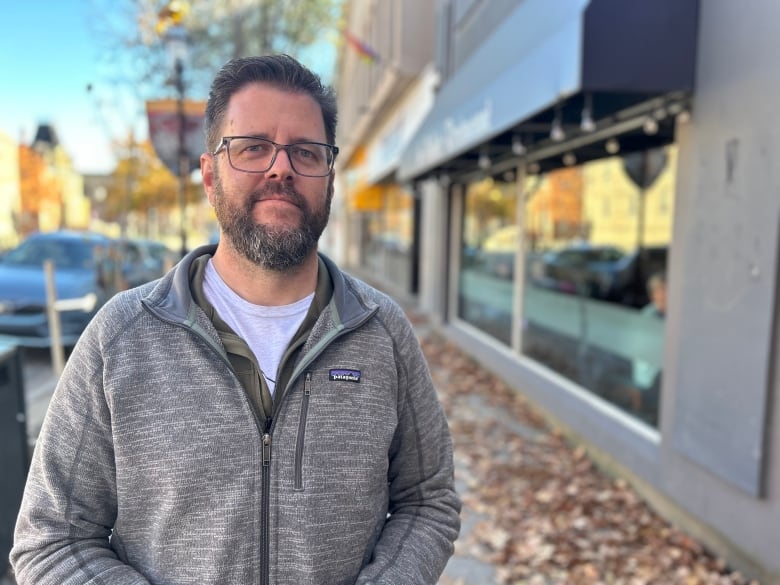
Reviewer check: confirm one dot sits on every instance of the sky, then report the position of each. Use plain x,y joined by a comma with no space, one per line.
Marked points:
48,58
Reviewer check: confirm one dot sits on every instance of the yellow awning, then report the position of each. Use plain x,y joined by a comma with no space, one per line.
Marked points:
367,198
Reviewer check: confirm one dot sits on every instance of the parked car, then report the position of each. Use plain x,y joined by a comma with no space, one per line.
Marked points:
163,258
633,273
581,268
600,272
142,261
82,281
496,255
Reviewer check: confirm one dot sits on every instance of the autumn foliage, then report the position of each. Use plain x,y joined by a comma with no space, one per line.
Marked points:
38,188
141,182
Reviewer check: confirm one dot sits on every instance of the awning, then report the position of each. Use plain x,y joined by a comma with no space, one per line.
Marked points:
363,196
547,52
383,157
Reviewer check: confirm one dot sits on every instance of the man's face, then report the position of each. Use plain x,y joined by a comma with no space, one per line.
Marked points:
275,218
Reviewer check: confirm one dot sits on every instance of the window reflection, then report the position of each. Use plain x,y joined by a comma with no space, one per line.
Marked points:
597,238
388,237
489,237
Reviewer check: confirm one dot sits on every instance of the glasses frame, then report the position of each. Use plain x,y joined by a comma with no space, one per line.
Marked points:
224,144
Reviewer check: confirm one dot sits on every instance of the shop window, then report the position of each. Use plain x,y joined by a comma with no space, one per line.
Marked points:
489,238
387,247
595,293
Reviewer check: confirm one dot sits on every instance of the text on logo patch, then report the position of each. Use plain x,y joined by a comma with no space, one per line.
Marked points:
341,375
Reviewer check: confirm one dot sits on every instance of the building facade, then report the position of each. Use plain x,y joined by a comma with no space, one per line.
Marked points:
386,78
10,202
600,219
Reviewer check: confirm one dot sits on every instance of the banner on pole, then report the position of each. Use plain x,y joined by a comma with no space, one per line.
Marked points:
164,127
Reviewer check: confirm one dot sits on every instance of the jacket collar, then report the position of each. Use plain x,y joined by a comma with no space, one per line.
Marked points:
172,300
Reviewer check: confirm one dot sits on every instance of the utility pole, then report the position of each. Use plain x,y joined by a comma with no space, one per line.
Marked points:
184,163
170,24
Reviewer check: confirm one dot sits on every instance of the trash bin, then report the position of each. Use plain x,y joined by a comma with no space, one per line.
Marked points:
14,459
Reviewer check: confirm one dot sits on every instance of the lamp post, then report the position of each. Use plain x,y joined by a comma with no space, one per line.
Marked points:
175,39
184,163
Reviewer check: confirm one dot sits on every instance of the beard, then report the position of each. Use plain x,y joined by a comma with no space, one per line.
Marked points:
276,248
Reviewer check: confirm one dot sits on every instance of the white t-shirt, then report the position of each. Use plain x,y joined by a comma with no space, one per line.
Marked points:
266,330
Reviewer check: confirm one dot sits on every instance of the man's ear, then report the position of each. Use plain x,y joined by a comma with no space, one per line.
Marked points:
207,174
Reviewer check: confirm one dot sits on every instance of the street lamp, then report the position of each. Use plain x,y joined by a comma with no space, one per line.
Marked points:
175,40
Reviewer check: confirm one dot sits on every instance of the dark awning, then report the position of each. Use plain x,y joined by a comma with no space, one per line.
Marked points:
548,54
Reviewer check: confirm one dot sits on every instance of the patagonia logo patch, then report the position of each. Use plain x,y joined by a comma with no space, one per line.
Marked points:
341,375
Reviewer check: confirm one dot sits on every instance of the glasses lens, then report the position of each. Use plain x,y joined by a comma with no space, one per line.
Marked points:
251,154
256,155
310,158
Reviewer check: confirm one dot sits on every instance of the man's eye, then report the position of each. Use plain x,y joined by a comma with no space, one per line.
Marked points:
305,153
257,147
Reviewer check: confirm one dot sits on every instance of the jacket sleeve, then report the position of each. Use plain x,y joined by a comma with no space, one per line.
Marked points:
424,514
69,503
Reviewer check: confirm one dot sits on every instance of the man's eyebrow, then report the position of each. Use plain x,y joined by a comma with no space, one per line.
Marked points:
295,140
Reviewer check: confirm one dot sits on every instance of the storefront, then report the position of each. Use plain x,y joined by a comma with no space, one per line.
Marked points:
385,211
587,161
561,192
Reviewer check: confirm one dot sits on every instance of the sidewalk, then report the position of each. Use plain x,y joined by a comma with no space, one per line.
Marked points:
535,509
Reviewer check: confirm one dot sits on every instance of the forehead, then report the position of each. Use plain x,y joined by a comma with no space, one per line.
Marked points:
263,109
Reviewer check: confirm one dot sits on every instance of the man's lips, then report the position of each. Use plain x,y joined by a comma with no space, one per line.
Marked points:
281,198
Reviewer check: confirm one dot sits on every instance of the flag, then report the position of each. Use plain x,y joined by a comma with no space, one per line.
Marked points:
164,124
366,52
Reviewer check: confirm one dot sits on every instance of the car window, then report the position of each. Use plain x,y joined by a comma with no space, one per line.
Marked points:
62,254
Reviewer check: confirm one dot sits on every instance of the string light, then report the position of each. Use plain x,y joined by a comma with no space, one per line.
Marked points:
587,124
612,146
484,159
556,131
518,148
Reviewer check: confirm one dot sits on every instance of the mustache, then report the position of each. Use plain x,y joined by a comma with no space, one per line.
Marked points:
278,191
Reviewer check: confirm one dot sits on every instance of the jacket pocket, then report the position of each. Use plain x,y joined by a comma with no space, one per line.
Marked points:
301,439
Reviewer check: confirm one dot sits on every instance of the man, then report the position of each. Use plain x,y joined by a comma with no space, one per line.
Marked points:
256,416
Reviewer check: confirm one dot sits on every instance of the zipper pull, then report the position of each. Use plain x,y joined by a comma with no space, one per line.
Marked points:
266,449
307,384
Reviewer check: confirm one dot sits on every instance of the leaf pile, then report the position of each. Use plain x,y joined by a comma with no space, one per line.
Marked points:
543,513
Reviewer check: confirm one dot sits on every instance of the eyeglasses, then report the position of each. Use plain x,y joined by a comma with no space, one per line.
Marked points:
256,155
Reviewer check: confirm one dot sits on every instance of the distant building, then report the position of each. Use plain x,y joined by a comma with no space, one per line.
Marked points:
73,209
10,200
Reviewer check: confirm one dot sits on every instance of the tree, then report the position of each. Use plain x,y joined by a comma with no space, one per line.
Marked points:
216,32
39,190
141,182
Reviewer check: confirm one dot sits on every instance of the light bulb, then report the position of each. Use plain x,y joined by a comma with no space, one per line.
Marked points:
684,117
484,160
569,159
556,132
650,126
587,124
518,147
612,146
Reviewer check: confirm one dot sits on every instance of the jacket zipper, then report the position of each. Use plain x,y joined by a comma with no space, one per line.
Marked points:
265,502
298,485
265,505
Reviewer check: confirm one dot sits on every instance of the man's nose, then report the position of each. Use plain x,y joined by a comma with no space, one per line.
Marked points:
282,166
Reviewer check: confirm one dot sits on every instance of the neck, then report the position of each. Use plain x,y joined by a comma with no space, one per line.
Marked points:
260,286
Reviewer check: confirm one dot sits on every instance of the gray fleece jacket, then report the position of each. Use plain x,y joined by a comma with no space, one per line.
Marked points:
151,467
